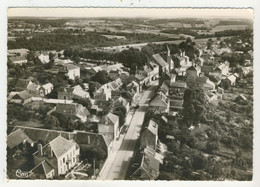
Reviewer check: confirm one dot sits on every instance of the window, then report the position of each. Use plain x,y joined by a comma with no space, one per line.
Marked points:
73,159
63,160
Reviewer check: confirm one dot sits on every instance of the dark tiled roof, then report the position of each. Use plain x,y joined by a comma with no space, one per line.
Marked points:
15,138
160,60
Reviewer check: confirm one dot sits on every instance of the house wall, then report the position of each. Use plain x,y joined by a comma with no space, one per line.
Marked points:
64,95
44,58
63,166
107,129
148,139
72,74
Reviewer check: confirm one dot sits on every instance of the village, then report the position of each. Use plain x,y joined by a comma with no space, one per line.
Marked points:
170,111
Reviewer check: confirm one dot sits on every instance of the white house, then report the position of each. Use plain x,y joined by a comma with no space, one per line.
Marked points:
60,153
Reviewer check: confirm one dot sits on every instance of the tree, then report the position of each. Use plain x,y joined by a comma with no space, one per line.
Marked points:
101,77
93,86
132,58
85,102
51,122
199,161
188,40
194,106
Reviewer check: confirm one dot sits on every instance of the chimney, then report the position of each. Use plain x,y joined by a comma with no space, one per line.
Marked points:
49,151
40,149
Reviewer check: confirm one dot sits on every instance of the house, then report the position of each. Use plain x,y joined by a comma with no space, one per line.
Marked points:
163,66
232,79
149,137
73,110
109,125
193,72
43,56
69,93
202,82
115,85
43,170
175,105
159,103
65,93
221,69
18,59
18,140
79,93
22,97
148,168
17,52
82,138
60,154
155,68
133,88
120,101
177,88
70,70
45,89
103,93
33,89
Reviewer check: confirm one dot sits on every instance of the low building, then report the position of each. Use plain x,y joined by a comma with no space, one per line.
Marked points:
43,170
22,97
18,60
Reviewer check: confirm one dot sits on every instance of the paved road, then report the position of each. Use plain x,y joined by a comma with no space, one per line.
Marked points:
117,166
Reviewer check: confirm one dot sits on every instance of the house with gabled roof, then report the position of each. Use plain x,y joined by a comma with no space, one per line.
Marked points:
61,155
148,167
109,125
163,66
120,101
149,137
72,110
43,170
18,138
22,97
82,138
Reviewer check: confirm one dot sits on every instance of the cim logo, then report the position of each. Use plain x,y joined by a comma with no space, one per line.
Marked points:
22,174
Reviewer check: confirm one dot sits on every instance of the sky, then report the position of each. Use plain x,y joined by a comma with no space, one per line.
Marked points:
131,12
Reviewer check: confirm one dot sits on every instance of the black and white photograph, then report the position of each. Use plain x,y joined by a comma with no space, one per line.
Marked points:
130,94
